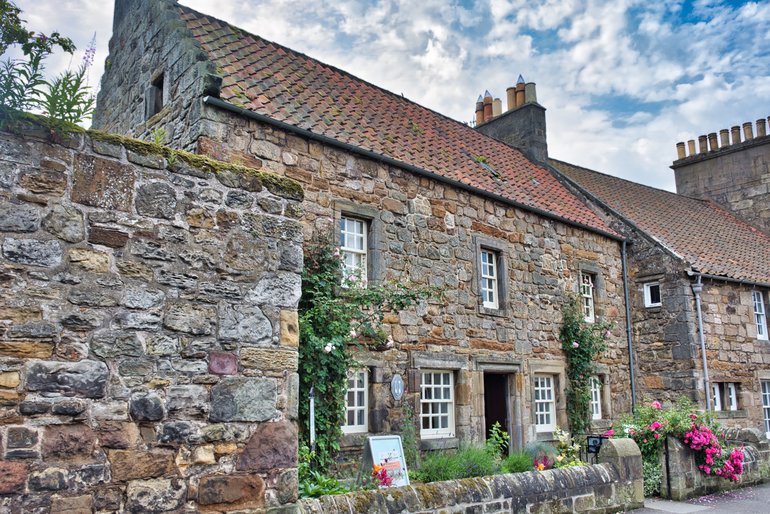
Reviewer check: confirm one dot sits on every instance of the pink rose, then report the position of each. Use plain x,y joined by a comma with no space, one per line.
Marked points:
609,433
575,344
656,405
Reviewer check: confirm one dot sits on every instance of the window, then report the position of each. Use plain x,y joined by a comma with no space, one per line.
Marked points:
587,282
652,294
725,395
545,404
353,249
437,404
490,290
766,405
356,402
596,398
154,97
759,314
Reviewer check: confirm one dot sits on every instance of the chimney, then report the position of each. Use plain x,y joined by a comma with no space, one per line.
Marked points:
680,151
480,110
761,128
691,147
736,134
724,135
487,106
522,125
702,144
713,145
748,131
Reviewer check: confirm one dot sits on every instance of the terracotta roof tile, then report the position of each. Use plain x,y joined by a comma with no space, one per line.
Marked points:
705,235
288,86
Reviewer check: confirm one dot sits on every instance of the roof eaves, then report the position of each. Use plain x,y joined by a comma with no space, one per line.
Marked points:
219,103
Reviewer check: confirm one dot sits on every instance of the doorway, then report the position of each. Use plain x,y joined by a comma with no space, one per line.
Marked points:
496,402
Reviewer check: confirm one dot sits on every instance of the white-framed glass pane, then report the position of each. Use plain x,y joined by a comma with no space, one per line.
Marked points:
759,314
732,396
596,398
766,405
356,402
545,411
436,404
587,296
489,279
716,396
652,294
354,248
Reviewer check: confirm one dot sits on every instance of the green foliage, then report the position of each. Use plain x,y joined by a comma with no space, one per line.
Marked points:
332,314
518,461
582,343
473,461
569,450
497,441
653,475
159,135
23,86
313,484
409,437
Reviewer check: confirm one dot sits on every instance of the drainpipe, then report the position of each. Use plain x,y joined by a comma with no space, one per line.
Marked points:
697,287
628,328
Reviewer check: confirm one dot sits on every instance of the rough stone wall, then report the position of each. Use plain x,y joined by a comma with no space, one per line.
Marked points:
148,329
737,177
426,237
523,128
616,485
149,40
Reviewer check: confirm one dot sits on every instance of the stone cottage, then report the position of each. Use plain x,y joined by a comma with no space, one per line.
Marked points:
699,280
413,196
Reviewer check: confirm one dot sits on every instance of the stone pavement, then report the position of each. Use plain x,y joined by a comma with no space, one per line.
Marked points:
749,500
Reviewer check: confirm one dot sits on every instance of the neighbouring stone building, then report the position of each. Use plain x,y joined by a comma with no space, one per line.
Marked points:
148,328
418,198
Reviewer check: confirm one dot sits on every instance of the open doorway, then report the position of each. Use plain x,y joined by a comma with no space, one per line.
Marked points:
497,406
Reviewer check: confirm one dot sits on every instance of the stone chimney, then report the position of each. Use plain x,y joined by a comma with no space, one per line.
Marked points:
732,168
522,125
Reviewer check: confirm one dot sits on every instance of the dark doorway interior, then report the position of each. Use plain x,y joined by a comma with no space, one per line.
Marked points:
495,401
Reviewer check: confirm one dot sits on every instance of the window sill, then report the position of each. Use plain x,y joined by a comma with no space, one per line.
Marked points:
545,436
353,440
439,443
731,414
500,313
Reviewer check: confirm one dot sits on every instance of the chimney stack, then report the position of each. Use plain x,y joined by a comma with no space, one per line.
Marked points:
480,110
497,107
736,134
761,128
681,153
702,144
724,139
511,97
713,145
520,93
724,135
691,147
487,106
748,132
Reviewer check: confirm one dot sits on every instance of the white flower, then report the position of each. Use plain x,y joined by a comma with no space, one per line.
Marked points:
353,334
328,348
390,342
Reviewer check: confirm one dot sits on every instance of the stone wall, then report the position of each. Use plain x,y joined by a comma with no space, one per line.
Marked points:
687,481
148,329
616,485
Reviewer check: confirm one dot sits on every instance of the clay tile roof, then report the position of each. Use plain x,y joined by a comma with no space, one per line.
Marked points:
288,86
706,236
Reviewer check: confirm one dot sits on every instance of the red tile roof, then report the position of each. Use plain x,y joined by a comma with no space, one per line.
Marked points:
288,86
706,236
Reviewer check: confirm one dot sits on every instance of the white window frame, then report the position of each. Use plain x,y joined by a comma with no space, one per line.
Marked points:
765,388
545,402
732,396
587,288
354,259
760,318
725,395
648,295
437,404
596,398
358,387
490,279
716,396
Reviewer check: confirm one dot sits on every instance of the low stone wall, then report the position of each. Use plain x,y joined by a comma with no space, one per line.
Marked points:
687,481
148,329
616,485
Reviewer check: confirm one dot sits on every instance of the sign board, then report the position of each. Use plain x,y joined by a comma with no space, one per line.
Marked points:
385,451
397,387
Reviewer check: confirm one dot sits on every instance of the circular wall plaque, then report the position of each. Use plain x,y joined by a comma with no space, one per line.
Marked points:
397,387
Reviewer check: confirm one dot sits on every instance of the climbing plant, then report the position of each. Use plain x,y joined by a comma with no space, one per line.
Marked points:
336,312
582,343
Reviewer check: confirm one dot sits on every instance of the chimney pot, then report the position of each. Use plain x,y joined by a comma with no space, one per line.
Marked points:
511,97
530,93
735,133
487,107
480,110
702,144
724,136
487,93
680,151
748,131
761,128
713,144
520,94
497,107
520,80
691,147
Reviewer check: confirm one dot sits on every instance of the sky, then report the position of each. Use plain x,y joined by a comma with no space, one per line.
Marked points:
622,80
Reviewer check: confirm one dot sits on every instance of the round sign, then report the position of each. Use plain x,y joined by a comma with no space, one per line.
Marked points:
397,387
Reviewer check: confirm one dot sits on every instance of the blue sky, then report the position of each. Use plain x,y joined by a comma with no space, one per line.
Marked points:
622,80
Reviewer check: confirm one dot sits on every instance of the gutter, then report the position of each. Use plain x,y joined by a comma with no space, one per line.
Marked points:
629,336
697,287
217,102
694,273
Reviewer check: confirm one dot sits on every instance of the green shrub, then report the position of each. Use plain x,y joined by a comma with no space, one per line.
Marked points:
473,461
653,474
517,462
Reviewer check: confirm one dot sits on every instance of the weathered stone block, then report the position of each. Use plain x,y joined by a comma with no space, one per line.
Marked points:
108,499
9,379
26,349
268,359
177,432
43,182
109,344
73,504
141,298
18,217
272,446
133,464
107,236
51,479
146,407
21,437
69,407
84,378
90,260
102,183
70,443
92,297
289,328
243,322
33,252
158,495
19,315
190,318
13,476
157,200
223,363
282,289
232,491
118,434
243,399
187,400
65,222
